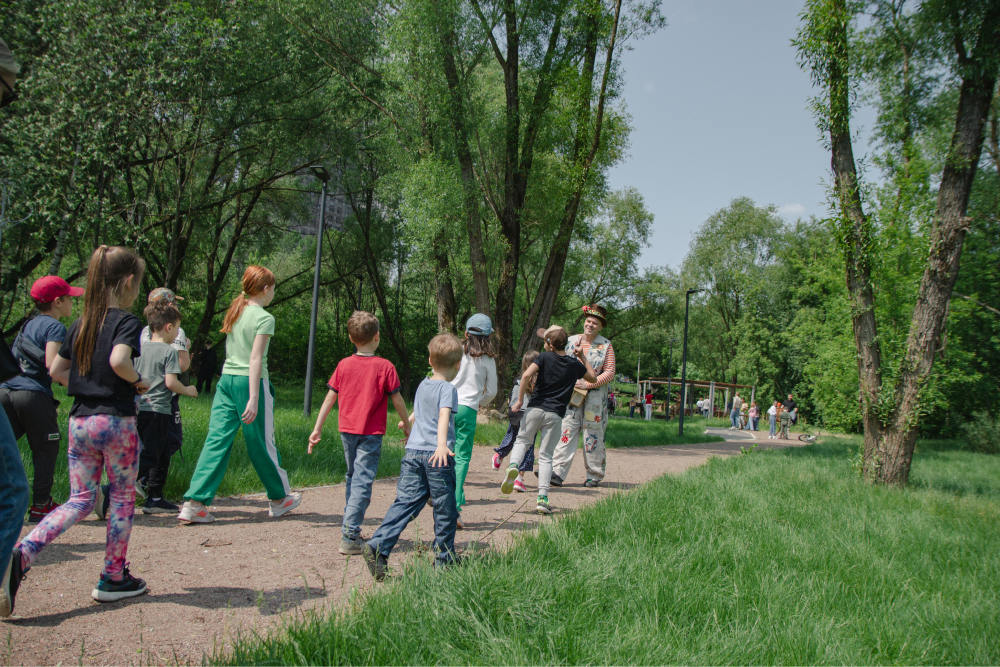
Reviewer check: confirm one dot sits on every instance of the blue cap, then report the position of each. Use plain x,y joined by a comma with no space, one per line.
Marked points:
481,322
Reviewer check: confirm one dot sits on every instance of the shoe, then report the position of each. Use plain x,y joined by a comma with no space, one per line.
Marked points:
11,581
352,547
555,480
543,505
194,512
591,483
458,522
142,488
38,512
280,507
103,501
159,506
377,564
519,485
112,591
497,461
508,481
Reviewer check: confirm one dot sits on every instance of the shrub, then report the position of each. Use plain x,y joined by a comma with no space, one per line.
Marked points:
983,433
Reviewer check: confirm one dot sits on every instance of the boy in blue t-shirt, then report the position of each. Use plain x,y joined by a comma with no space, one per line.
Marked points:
428,468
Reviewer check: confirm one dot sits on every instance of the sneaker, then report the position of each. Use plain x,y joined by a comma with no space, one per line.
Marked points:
497,461
543,505
519,485
142,488
159,506
194,512
112,591
458,522
11,581
38,512
103,501
281,507
591,483
352,547
555,480
377,564
508,481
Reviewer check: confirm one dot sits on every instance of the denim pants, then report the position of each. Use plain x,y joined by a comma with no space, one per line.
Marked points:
773,430
13,491
734,418
362,453
418,481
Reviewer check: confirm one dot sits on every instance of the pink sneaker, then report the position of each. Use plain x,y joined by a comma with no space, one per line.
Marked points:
519,485
497,461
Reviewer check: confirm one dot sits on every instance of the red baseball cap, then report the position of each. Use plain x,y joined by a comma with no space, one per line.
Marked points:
50,288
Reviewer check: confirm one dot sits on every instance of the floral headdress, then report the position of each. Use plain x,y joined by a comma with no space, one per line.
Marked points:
594,310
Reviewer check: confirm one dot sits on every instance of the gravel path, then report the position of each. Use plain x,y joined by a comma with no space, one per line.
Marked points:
248,572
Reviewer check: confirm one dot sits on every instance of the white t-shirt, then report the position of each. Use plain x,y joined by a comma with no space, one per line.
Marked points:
476,381
772,410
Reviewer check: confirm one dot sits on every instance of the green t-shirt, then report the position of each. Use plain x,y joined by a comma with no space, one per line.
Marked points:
156,361
254,321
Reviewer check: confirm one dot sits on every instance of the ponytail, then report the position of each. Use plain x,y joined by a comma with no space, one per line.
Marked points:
255,280
107,273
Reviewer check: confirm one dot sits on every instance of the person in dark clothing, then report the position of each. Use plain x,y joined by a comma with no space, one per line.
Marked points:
790,405
208,362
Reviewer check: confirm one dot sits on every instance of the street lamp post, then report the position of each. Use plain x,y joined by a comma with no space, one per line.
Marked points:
684,358
320,172
670,356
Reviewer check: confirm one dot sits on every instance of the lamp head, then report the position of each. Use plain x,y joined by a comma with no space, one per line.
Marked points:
320,172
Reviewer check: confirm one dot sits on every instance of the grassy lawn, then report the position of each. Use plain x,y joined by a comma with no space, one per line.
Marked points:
774,557
326,465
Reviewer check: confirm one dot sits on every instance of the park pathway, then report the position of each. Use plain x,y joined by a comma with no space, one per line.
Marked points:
247,572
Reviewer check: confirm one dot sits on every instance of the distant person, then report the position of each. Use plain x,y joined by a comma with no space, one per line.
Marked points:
792,407
786,419
632,404
208,365
514,425
27,399
364,384
649,404
734,415
754,416
772,417
427,471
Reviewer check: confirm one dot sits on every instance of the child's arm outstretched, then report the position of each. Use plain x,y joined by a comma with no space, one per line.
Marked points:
591,375
528,374
400,405
256,370
441,454
173,384
324,412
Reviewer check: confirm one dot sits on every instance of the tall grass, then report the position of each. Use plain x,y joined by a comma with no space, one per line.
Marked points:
774,557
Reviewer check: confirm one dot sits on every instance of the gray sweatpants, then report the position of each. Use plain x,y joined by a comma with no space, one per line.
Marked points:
550,425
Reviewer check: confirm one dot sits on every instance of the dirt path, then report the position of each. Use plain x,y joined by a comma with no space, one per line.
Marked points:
248,572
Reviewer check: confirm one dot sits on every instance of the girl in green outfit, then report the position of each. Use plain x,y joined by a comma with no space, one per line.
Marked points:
243,398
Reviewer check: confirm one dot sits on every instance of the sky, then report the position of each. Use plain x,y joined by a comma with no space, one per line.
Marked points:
719,110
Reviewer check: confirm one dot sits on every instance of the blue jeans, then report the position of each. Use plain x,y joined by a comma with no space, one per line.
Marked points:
418,481
773,430
362,453
734,418
13,491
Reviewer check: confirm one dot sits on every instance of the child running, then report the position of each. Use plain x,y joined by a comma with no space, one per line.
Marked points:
364,383
243,397
477,385
160,365
557,374
427,471
95,361
514,425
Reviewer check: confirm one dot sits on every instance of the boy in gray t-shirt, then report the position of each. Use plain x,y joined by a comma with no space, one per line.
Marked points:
159,365
428,469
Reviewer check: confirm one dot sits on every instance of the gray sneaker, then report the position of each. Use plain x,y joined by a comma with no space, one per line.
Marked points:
378,564
590,483
349,547
555,480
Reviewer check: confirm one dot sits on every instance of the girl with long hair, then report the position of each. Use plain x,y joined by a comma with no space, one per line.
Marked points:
476,383
95,361
244,398
514,426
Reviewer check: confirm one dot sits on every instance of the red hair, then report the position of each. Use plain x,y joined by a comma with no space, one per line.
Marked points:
255,280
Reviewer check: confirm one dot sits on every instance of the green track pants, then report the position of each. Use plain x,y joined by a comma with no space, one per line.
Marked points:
231,397
465,433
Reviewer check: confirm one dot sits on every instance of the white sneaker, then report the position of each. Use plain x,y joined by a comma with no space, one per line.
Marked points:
279,507
195,512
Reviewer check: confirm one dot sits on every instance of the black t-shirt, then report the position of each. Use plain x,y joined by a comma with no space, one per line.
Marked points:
557,374
102,392
790,404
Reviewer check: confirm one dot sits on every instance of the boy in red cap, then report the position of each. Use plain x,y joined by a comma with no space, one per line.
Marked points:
27,399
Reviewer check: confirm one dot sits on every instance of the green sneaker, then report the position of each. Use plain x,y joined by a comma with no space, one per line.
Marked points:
508,482
543,505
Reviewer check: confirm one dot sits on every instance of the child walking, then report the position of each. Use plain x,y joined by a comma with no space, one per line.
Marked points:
160,365
364,384
786,419
95,361
557,374
427,470
515,418
476,383
27,399
244,397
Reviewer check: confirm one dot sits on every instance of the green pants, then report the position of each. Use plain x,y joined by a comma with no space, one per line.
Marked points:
465,433
231,397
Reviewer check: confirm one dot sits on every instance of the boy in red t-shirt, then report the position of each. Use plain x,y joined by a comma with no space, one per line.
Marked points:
364,383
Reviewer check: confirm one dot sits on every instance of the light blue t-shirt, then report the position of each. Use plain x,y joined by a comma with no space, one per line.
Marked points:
432,395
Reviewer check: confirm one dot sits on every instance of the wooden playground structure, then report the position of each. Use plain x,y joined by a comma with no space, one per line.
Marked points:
691,396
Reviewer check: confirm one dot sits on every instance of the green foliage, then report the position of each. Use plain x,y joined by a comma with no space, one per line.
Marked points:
983,433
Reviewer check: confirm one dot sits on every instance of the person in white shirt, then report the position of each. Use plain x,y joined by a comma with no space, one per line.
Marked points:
772,417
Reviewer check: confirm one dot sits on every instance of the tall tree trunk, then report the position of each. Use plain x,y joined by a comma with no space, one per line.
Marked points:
446,306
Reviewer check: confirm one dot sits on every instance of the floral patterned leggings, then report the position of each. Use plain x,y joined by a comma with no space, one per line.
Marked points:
95,441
